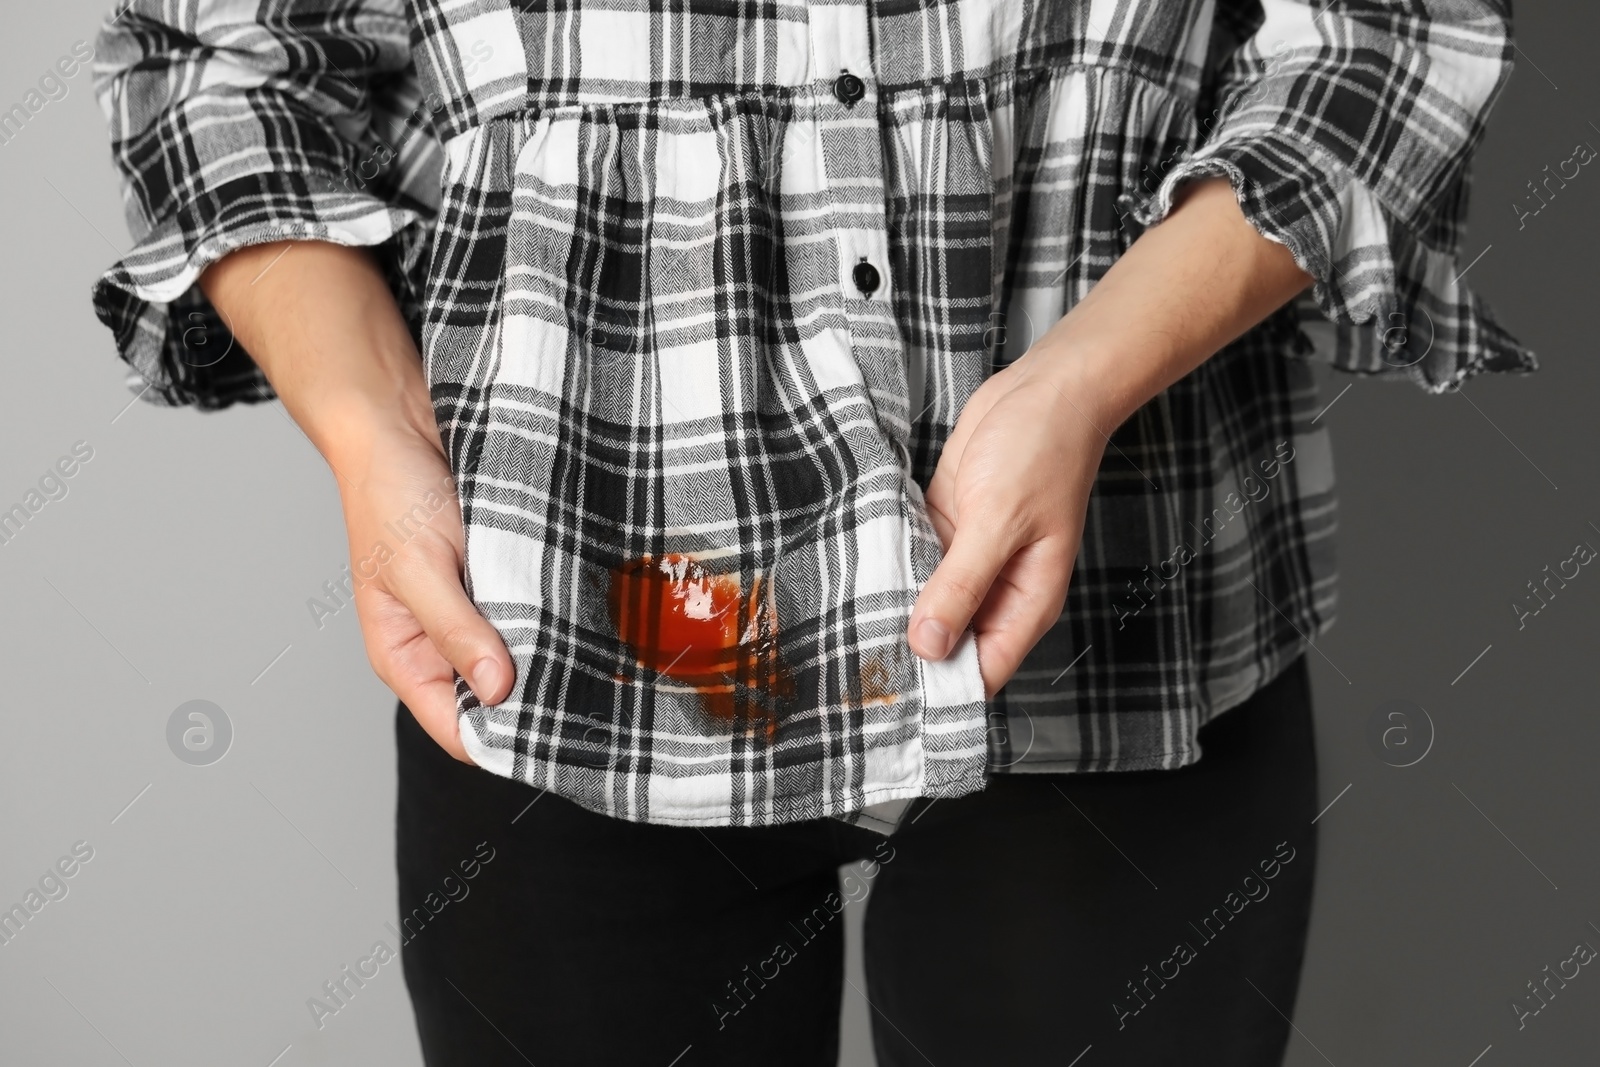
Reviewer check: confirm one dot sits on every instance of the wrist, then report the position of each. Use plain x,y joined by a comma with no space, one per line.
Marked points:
1099,382
326,331
353,426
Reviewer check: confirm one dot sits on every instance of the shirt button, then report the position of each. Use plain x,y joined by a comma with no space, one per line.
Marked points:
849,88
866,278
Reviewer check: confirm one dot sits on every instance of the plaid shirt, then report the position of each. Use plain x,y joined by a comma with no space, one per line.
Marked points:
702,288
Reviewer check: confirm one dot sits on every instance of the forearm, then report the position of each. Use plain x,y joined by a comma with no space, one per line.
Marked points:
321,322
1185,288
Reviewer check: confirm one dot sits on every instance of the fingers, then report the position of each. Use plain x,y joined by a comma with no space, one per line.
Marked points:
940,496
941,514
958,587
403,656
1022,605
426,578
974,552
421,630
1010,595
433,705
982,401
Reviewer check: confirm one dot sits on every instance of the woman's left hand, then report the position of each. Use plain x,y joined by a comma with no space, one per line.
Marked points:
1008,500
1012,486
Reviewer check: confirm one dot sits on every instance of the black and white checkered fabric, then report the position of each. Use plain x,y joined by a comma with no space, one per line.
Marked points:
629,235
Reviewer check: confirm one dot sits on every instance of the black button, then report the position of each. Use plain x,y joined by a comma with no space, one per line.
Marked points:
849,88
866,278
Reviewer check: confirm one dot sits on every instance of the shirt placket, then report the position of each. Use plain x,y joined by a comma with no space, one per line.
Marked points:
846,88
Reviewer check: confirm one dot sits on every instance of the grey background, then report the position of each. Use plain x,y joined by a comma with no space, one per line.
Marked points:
179,564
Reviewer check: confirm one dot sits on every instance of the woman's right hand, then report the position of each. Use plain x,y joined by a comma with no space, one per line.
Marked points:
321,322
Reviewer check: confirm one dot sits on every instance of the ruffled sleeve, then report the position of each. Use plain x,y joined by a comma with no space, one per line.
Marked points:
240,124
1345,128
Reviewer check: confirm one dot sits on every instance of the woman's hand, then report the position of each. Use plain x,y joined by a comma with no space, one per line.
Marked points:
321,322
1012,486
1008,501
406,553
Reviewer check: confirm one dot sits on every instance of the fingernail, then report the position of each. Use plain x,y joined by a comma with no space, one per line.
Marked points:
485,677
934,636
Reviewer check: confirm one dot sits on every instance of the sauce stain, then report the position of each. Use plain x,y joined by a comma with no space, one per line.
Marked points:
876,685
703,630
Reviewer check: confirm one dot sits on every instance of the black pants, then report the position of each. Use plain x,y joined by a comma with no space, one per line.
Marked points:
1157,916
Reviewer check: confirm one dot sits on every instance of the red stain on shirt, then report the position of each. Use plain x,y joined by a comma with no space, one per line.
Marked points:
876,686
704,631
